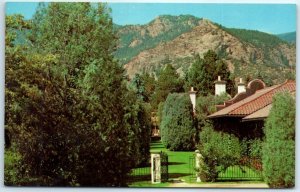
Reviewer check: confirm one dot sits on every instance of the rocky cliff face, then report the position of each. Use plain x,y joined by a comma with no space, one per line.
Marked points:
198,36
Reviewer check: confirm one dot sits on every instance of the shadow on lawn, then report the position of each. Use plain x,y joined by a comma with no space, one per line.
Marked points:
147,177
176,175
157,147
176,163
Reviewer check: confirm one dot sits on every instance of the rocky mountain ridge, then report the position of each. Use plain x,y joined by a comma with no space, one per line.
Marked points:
244,51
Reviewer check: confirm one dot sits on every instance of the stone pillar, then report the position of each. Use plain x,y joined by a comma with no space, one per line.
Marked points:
241,86
155,168
199,161
193,99
220,86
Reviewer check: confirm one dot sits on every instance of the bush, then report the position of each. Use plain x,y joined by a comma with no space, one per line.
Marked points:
177,125
252,148
279,145
256,148
11,160
219,151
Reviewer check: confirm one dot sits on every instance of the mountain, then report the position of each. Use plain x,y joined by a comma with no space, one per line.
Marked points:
289,37
135,38
177,39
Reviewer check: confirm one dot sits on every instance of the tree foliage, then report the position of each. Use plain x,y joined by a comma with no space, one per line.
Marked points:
219,151
205,71
177,124
167,82
279,147
144,86
206,105
73,118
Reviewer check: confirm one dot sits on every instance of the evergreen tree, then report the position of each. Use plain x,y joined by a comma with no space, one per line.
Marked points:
138,85
143,85
149,82
205,71
278,154
177,124
167,82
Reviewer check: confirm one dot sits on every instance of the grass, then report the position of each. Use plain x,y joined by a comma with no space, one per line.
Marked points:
179,169
178,161
148,184
178,165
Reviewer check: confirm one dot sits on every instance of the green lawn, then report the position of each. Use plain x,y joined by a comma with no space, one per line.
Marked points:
178,161
179,169
178,165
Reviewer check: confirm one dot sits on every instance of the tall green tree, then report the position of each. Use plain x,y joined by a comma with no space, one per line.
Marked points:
144,86
167,82
177,124
79,35
14,56
75,121
278,155
205,71
150,83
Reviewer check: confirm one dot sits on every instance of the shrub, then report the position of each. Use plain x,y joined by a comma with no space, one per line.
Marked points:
255,148
177,125
279,145
219,151
251,153
252,148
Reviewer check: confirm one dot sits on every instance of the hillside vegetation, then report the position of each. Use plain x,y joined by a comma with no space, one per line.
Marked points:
177,40
289,37
136,38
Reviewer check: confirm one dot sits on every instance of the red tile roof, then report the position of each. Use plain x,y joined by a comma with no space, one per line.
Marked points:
260,114
255,102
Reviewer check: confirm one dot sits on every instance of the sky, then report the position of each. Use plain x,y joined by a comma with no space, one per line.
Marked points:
270,18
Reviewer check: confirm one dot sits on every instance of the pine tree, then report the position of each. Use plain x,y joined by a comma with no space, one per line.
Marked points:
204,72
167,82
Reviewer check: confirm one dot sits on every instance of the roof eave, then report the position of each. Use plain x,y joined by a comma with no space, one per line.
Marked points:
254,119
218,116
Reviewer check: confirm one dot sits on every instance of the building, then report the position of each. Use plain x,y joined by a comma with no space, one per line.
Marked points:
244,114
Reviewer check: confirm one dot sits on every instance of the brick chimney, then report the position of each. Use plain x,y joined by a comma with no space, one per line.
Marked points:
220,86
193,98
241,86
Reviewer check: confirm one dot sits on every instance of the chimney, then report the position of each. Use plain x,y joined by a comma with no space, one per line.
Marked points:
193,99
220,86
241,86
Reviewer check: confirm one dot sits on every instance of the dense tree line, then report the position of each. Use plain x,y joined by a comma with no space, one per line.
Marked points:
72,118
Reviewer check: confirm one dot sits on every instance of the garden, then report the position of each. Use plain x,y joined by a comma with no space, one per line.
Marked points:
225,158
74,118
181,168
